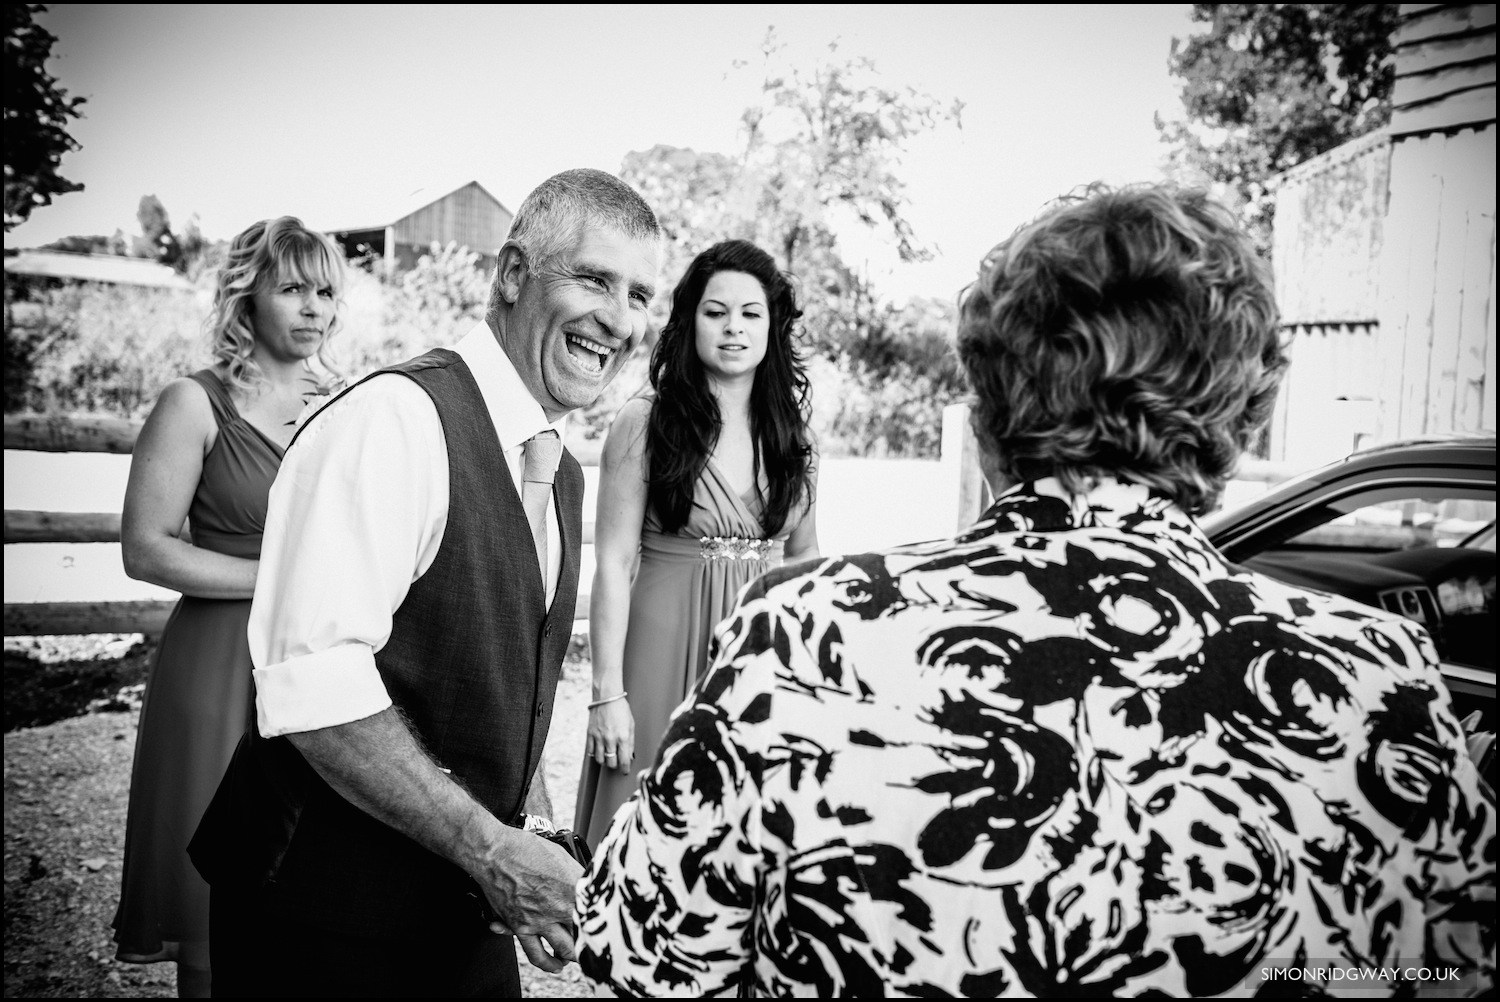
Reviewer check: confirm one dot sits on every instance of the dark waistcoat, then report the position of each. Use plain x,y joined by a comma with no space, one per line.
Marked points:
472,664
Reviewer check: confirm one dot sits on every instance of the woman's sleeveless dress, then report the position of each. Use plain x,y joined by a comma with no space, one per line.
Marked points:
683,589
199,701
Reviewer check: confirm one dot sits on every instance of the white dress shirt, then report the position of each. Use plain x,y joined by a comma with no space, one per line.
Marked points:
356,515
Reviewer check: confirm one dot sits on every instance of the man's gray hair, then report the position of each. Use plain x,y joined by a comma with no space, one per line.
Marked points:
556,213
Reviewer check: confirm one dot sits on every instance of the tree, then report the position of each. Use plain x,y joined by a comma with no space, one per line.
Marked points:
97,243
818,144
1271,85
821,151
36,118
189,253
831,139
156,241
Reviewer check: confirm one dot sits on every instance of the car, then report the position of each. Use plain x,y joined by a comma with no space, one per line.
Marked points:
1407,527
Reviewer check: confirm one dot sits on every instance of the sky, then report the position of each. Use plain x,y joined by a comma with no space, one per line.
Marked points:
234,113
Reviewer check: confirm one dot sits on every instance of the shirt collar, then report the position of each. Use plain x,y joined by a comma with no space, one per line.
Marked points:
516,414
1047,506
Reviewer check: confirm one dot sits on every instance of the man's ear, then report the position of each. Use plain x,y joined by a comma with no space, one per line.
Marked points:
511,271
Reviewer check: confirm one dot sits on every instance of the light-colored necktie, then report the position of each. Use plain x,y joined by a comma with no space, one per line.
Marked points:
542,454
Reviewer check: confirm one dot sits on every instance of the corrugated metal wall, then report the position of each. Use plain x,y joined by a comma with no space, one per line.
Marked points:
1437,280
1437,304
1327,405
1330,228
1330,224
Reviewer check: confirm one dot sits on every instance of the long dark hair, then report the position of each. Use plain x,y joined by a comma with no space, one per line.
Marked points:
685,422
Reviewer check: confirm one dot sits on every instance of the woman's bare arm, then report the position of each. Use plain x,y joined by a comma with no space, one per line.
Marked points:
802,541
164,471
617,536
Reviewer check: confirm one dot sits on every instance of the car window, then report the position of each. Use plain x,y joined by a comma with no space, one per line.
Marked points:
1423,551
1398,519
1484,539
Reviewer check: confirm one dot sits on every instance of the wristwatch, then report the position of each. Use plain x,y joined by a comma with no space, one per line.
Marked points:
569,840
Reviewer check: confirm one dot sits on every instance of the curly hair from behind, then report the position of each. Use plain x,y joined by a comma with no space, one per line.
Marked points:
1127,333
685,421
262,255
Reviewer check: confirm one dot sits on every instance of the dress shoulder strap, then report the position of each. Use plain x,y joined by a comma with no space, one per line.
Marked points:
218,395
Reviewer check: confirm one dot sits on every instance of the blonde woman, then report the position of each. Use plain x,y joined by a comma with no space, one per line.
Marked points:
207,454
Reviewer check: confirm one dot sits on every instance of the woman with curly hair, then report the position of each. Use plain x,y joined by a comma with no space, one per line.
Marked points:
705,483
1073,750
207,454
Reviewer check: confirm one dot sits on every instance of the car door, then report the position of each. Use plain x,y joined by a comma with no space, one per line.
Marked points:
1420,548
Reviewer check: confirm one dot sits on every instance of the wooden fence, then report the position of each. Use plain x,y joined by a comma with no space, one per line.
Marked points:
108,435
960,469
74,434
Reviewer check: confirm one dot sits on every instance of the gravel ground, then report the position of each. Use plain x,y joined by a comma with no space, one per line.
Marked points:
66,786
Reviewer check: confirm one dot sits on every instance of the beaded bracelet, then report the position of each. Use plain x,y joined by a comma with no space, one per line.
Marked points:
611,699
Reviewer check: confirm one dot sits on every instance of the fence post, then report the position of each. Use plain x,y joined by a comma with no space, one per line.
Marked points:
960,462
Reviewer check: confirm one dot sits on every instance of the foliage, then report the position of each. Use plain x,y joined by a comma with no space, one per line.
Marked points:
820,148
691,194
886,413
827,139
117,245
1271,85
103,348
188,253
884,394
389,316
447,281
110,349
36,118
156,240
820,151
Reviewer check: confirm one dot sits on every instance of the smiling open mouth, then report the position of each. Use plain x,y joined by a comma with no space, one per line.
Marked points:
589,355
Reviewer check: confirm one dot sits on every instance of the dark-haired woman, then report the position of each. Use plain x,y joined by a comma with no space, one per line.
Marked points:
707,481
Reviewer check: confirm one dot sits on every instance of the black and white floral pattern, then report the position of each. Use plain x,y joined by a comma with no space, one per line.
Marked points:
1071,752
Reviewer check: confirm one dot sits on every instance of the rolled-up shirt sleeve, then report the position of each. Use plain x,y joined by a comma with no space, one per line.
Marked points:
356,515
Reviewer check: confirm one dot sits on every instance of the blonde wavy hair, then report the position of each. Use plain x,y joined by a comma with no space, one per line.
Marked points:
264,254
1126,333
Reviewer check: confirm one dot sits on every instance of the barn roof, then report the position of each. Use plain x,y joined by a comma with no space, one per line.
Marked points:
391,209
95,268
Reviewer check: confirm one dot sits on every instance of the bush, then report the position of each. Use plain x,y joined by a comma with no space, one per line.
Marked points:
859,411
882,392
111,349
102,348
389,317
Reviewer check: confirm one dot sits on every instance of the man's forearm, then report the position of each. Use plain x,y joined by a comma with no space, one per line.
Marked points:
377,765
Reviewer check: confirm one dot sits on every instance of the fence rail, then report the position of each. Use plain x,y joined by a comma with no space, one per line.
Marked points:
92,433
61,527
117,435
29,619
64,433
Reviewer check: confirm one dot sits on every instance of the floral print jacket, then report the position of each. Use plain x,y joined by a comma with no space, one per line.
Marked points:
1073,751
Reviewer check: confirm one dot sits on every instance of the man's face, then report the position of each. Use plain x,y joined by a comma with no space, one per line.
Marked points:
576,318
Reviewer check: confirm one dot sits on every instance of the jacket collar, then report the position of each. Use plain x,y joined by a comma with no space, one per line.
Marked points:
1047,506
